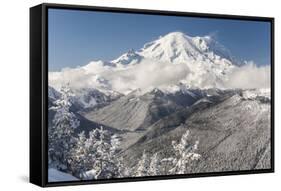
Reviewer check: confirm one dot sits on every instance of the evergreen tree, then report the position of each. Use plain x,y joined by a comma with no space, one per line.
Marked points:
121,170
142,166
185,153
105,159
78,155
154,167
165,164
60,134
99,159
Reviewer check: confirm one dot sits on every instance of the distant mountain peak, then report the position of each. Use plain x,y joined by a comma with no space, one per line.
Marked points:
177,47
130,57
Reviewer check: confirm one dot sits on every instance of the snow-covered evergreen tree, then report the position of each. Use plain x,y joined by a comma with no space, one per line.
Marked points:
185,153
78,155
99,156
84,154
142,166
105,159
154,167
60,133
166,163
122,171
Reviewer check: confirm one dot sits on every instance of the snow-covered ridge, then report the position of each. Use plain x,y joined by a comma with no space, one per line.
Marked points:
254,93
130,57
85,97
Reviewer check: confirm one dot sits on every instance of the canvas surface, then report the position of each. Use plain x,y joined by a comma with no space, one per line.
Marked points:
189,95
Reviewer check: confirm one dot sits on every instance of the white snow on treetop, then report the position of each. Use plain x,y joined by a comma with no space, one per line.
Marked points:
176,58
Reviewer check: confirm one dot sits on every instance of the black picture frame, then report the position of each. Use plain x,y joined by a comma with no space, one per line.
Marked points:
39,90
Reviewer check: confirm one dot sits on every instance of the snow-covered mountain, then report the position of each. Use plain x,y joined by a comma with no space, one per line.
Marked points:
91,97
85,98
170,63
130,57
177,47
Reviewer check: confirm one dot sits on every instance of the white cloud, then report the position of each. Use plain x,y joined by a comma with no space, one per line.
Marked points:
149,74
249,76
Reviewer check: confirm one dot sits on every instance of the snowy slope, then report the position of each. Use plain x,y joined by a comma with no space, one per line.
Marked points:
57,176
91,97
176,47
255,93
52,93
233,132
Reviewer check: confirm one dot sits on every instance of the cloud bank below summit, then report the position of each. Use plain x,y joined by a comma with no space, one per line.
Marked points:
148,74
249,76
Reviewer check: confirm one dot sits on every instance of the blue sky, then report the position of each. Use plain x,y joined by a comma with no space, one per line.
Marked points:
77,37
